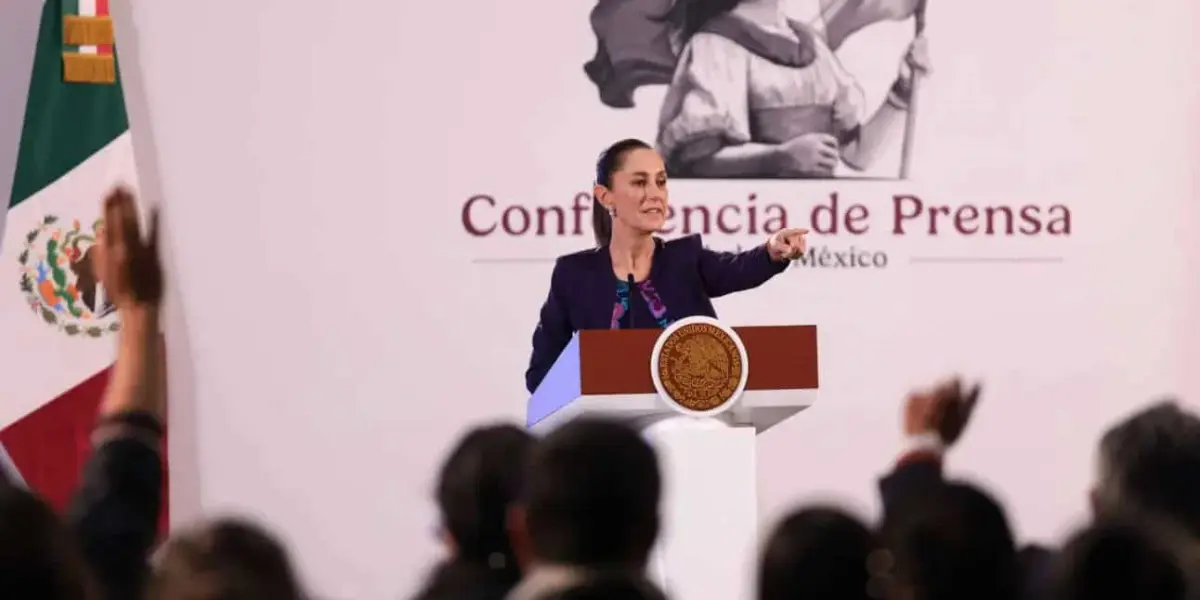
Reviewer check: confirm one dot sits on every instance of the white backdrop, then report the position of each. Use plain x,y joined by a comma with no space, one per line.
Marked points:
335,325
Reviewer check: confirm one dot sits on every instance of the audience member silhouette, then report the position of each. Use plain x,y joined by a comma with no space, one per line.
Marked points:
39,556
1149,466
819,553
590,505
226,559
1118,560
476,489
955,545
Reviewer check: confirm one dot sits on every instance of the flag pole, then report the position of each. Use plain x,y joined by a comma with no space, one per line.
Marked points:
910,118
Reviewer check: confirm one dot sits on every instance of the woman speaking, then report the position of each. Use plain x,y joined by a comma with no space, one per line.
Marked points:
633,279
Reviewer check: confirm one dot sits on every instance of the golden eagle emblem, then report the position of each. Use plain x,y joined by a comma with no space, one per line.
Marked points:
58,282
700,367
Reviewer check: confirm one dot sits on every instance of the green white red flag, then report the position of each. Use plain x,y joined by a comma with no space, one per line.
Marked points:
59,328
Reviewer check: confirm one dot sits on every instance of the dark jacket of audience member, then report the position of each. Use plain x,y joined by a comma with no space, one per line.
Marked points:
115,512
39,556
99,551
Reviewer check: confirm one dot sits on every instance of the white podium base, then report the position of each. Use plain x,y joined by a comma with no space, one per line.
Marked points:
708,543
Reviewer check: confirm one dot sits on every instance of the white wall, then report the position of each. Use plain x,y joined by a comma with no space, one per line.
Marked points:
339,326
18,36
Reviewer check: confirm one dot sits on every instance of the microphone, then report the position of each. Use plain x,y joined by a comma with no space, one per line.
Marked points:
632,291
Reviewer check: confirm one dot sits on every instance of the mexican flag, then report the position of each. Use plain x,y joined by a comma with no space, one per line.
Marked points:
58,327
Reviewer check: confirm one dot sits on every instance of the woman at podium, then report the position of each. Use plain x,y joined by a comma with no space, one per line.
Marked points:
633,279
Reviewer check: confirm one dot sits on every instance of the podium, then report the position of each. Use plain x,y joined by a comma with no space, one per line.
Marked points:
701,392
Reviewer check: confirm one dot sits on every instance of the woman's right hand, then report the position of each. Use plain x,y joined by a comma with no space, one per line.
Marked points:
809,155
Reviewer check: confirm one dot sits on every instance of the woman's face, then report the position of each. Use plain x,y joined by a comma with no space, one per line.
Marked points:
638,193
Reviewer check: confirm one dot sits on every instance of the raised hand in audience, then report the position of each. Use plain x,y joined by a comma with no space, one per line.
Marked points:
942,412
130,269
934,419
127,264
953,406
114,513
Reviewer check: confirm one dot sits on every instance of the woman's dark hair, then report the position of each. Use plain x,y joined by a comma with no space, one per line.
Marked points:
818,552
690,16
478,482
610,162
227,559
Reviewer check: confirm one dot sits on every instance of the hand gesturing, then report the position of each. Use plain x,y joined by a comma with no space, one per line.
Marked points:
788,244
128,266
944,411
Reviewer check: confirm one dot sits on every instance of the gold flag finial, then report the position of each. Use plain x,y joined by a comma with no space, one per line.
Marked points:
89,68
88,31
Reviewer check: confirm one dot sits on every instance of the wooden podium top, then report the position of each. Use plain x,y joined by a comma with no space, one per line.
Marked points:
617,361
610,372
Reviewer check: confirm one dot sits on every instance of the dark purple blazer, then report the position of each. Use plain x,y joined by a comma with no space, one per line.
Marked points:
583,289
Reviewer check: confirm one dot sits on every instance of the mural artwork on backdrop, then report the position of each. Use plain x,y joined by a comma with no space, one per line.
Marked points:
751,93
764,128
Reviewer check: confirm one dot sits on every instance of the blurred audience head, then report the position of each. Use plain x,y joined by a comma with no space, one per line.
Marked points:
225,560
956,544
1118,560
591,497
39,557
818,553
1147,468
477,486
609,587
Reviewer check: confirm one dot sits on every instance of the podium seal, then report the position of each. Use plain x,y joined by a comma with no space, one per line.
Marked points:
699,366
